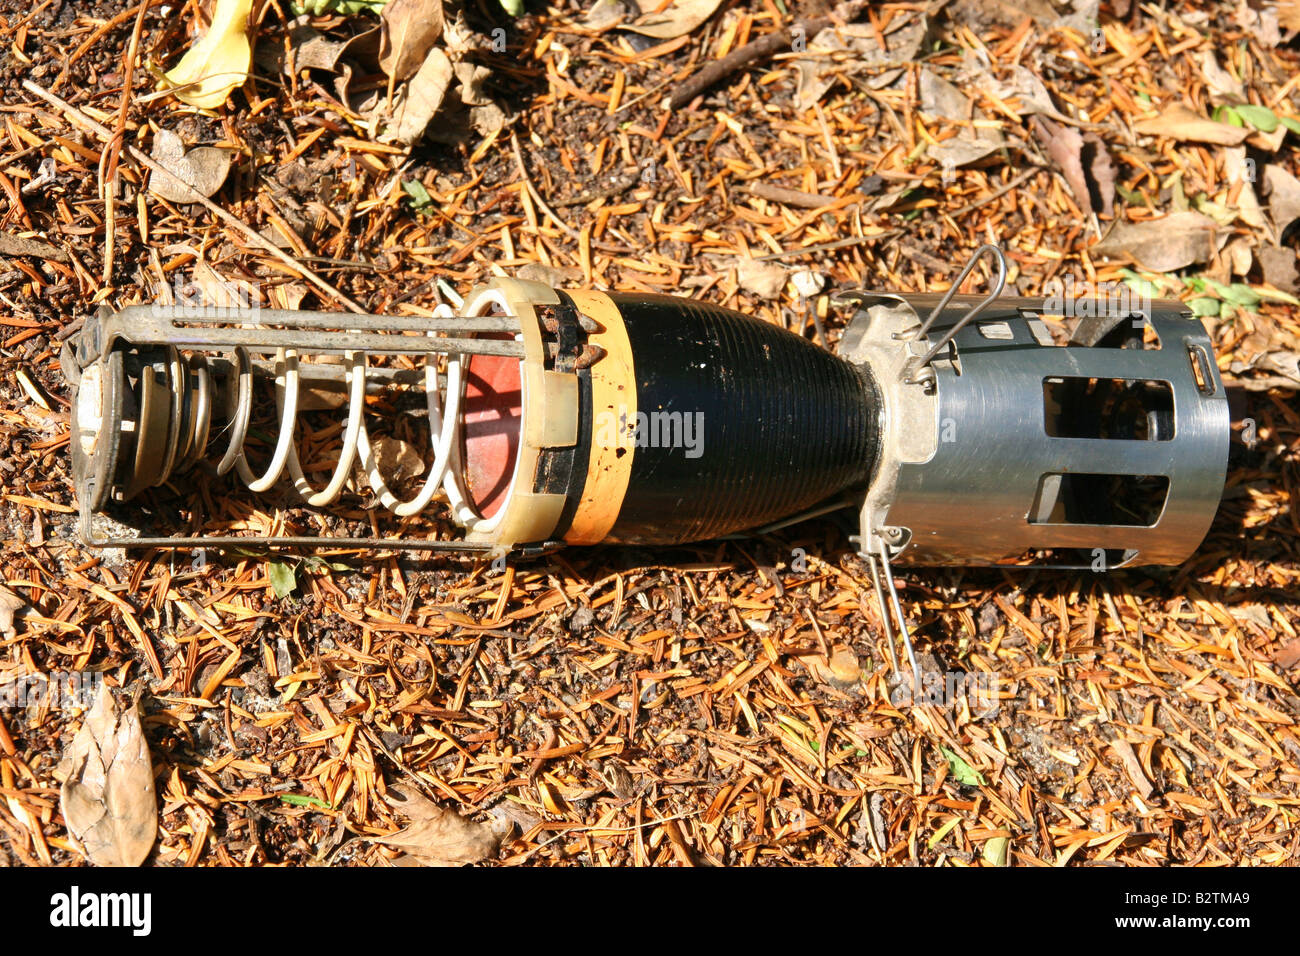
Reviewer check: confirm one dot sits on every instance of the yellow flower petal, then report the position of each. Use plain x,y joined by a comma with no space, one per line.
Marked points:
219,62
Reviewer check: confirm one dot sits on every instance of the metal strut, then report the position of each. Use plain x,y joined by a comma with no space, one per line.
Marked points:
915,375
897,607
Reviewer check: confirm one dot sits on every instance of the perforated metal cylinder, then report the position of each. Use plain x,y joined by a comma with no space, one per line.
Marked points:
1106,451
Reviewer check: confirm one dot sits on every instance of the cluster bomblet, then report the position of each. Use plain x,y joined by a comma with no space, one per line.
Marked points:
959,429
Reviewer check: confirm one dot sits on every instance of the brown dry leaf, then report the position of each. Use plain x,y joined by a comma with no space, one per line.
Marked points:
1288,655
397,460
1288,15
1239,254
421,99
10,603
841,670
1160,245
1028,92
312,50
604,13
844,666
817,666
1180,122
1093,187
942,100
1279,267
763,279
1222,86
201,170
1237,168
17,246
437,837
1264,22
1132,766
1102,170
681,17
107,796
1283,191
818,73
409,29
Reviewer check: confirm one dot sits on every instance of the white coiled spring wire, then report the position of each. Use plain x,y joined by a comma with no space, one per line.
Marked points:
445,424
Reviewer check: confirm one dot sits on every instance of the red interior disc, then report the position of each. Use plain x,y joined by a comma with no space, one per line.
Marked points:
492,417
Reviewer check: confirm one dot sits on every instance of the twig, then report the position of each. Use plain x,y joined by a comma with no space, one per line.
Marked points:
536,196
758,50
829,246
997,193
100,32
112,153
891,233
105,134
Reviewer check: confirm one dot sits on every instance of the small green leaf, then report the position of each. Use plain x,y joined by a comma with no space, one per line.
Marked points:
420,198
1277,295
1130,196
344,7
963,772
301,800
995,851
283,578
1241,294
1260,117
1146,286
942,832
1226,114
1203,306
1290,122
513,7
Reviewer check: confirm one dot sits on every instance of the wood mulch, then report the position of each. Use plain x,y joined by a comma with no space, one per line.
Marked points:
718,704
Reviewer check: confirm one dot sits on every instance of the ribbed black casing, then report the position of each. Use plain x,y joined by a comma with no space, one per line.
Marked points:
785,423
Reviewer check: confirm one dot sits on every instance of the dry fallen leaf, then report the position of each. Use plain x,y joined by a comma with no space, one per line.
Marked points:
819,71
107,796
944,101
844,665
604,13
201,170
219,62
1093,187
1279,265
1160,245
1238,168
397,460
1283,191
1288,655
409,29
1132,766
763,279
1180,122
417,104
1288,15
681,17
437,837
10,603
1026,91
1222,86
17,246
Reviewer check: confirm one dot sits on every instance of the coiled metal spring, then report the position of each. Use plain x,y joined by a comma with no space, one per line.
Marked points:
179,393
